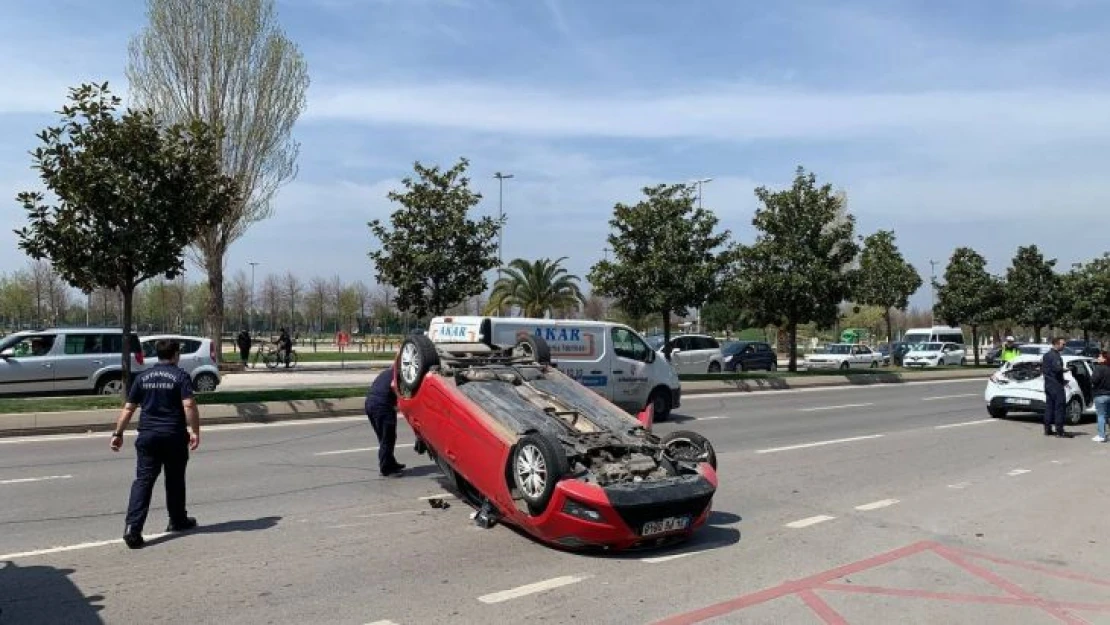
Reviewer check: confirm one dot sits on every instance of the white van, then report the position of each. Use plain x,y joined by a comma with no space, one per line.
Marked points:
935,334
609,358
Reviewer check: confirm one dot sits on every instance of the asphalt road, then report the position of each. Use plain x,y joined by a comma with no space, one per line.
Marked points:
854,505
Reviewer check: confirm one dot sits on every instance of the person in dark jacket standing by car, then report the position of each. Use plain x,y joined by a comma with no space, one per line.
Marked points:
1052,370
381,409
244,343
169,429
1100,387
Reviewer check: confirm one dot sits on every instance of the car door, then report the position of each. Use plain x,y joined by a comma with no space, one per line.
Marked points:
82,355
680,359
764,357
628,373
27,365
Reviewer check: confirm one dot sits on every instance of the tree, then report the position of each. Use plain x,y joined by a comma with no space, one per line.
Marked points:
271,299
434,255
121,181
238,298
594,308
536,287
970,295
16,299
1087,290
798,270
228,63
316,301
719,314
291,290
884,278
667,255
1033,290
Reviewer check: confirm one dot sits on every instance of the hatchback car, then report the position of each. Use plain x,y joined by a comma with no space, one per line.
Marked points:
66,359
691,353
1018,386
749,355
935,355
198,358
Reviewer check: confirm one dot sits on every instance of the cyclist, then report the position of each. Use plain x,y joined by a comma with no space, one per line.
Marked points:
285,347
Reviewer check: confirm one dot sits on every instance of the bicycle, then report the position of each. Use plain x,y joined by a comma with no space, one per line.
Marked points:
271,356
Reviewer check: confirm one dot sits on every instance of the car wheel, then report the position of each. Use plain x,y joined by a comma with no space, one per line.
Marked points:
1074,412
111,384
714,367
537,466
533,348
874,364
843,366
660,402
686,446
996,412
205,383
418,356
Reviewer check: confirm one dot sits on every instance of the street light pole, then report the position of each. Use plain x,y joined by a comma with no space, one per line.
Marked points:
932,289
501,178
700,182
250,318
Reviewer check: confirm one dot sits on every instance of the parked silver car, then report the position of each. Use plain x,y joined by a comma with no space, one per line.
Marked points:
65,359
198,357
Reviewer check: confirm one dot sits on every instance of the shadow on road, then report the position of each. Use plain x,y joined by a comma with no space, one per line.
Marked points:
43,594
250,525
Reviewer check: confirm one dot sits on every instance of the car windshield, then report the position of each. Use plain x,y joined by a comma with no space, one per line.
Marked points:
1033,349
9,341
729,349
928,347
913,340
839,349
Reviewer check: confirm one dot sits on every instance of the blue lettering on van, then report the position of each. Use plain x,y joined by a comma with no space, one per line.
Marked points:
559,334
458,332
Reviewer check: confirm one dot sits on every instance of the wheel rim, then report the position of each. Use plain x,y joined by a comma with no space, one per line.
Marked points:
684,449
112,387
1075,412
205,383
531,471
410,363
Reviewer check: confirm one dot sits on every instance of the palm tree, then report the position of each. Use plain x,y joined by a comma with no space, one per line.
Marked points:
536,287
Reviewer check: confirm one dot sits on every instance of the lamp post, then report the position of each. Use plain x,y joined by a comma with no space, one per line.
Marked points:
700,182
250,318
933,290
501,178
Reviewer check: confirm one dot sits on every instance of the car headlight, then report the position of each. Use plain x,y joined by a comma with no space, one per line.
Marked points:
728,358
581,511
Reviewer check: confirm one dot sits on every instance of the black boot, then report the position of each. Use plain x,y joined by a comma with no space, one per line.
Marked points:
183,526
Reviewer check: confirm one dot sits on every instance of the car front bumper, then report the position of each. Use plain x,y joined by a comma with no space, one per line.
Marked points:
1016,404
822,365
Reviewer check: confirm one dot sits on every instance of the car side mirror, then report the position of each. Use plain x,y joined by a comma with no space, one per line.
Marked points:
651,357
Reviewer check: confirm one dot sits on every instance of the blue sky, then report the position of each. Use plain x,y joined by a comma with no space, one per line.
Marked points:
980,123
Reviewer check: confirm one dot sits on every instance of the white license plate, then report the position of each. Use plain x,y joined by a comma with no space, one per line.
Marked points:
670,524
1020,402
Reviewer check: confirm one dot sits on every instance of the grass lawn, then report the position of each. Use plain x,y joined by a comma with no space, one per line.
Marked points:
88,402
311,356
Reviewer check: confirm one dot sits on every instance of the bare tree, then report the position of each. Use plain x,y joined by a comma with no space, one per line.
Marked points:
42,277
271,298
317,301
239,296
229,63
362,295
291,291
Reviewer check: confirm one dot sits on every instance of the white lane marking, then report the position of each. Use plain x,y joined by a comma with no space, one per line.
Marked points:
57,438
77,547
962,424
356,451
26,480
875,505
385,622
818,444
437,496
817,408
824,389
530,589
1019,472
942,397
813,520
960,485
1057,462
658,559
713,418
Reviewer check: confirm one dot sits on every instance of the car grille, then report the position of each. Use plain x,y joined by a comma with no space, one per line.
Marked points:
639,503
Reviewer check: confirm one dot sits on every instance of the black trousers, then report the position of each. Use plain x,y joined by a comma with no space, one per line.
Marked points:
384,423
1053,407
156,452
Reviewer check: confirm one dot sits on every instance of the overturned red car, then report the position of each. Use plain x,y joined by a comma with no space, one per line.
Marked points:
529,446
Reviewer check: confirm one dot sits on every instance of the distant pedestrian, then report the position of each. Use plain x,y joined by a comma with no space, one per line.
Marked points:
381,409
1100,386
1052,370
284,346
169,428
244,343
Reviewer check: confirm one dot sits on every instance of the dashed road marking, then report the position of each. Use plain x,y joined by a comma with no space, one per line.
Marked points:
942,397
962,424
58,438
437,496
1019,472
531,589
813,520
27,480
658,559
875,505
852,388
959,485
359,450
817,408
818,444
385,622
713,418
77,547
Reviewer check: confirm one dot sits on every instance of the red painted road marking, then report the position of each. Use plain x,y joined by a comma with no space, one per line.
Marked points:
805,588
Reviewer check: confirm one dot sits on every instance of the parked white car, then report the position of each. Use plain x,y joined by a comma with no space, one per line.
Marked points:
934,355
691,353
845,356
1018,386
198,358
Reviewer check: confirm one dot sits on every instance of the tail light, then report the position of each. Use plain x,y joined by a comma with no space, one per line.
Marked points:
139,357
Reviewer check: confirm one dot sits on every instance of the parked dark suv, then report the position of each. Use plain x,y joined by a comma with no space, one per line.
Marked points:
749,355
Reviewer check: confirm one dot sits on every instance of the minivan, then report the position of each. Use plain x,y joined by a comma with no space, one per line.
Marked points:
609,358
65,359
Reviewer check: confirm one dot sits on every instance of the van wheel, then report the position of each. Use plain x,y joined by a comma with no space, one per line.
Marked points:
660,401
1074,412
205,383
418,356
110,384
538,464
534,348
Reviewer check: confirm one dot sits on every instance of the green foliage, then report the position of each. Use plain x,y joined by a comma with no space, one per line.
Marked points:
667,255
536,287
798,270
719,314
884,278
1086,289
970,295
130,194
434,255
1033,291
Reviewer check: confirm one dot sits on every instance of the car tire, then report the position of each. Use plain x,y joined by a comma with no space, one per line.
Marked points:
1073,413
205,383
418,356
714,367
874,364
109,384
844,366
997,413
660,401
684,445
533,347
538,463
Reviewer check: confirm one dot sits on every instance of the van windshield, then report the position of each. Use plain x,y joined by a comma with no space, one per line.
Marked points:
916,338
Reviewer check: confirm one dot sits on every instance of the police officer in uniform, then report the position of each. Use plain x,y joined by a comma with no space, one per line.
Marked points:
168,429
381,409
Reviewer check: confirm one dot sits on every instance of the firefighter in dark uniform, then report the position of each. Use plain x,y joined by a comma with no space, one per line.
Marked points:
168,429
1052,370
381,409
